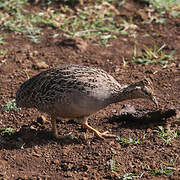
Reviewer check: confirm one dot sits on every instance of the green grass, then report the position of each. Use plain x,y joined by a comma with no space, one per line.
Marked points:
130,176
166,168
3,52
128,141
166,135
97,21
113,165
165,6
10,106
2,41
9,131
158,10
153,54
14,17
171,6
128,28
167,172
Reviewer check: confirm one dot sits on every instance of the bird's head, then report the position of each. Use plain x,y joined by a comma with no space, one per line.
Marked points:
144,89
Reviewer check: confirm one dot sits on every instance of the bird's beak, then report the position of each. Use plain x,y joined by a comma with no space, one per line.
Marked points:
155,101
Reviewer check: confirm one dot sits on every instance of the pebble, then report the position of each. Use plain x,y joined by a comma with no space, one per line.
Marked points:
56,161
41,120
40,65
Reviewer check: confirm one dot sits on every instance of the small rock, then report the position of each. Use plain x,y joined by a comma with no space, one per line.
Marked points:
111,143
114,111
78,43
85,178
36,147
39,65
127,109
56,161
32,127
35,53
41,120
36,154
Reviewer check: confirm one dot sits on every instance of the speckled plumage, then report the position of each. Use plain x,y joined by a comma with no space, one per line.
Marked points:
74,91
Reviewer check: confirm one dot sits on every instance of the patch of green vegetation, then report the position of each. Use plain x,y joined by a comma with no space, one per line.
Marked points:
161,20
166,135
158,10
171,6
128,27
14,17
130,176
113,165
153,55
167,172
125,63
9,131
169,163
2,41
128,141
163,6
95,21
12,5
3,52
10,106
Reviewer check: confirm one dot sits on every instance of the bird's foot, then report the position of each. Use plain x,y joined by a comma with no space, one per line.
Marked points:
105,135
99,134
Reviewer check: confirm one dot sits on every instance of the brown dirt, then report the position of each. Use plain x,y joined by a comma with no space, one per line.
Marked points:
85,156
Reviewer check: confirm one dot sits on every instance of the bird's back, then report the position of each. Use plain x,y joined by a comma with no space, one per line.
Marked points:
70,88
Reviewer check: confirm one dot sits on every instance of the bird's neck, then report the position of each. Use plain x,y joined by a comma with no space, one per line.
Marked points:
126,93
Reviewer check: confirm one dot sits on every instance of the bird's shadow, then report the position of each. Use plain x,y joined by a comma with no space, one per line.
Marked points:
27,137
142,119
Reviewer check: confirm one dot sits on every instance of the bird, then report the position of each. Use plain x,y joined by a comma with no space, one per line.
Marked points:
77,91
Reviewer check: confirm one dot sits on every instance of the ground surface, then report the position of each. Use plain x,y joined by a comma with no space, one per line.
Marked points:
32,153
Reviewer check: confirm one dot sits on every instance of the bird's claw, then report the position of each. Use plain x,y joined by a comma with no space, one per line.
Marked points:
105,135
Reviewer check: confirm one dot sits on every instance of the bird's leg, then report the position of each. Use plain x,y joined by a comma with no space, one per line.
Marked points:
97,133
54,127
